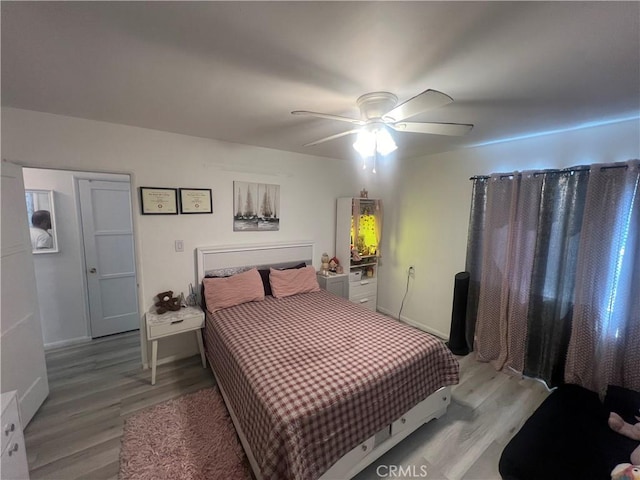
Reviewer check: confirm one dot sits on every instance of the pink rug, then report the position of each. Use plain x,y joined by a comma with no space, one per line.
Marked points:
188,438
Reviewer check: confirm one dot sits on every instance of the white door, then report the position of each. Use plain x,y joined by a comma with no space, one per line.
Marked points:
107,231
23,364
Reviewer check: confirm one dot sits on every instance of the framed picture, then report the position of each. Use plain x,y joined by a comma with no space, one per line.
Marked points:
42,221
196,200
256,207
159,201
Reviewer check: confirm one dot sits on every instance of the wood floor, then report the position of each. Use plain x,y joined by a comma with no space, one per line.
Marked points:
94,387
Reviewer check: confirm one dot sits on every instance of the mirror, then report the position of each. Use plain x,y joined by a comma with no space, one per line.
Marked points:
41,218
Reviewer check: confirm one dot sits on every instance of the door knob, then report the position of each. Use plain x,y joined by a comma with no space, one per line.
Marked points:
92,270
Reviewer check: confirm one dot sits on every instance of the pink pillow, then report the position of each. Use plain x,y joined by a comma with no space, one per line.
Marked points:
229,291
285,283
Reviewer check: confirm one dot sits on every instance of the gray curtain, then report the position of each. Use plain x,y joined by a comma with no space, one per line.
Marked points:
540,242
562,199
474,254
604,348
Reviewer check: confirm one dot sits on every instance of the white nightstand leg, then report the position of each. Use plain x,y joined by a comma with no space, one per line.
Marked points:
201,347
154,361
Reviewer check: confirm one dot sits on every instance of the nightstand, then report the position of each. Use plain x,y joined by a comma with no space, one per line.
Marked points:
172,323
336,283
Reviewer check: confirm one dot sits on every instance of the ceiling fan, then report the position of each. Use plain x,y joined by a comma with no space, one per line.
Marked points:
380,111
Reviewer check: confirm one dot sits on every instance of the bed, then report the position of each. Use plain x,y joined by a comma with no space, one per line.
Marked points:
317,386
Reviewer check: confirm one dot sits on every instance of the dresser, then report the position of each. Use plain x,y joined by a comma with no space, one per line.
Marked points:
188,319
14,456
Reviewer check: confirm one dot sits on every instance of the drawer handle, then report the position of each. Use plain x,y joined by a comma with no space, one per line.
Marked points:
177,321
364,282
364,448
9,428
364,300
403,420
13,449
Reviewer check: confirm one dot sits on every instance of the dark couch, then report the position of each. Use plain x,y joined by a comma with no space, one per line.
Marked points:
568,437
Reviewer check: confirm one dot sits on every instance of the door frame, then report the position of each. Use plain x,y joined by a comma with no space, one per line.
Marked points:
137,244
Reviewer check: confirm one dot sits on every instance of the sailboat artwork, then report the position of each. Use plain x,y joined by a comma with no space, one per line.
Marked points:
256,207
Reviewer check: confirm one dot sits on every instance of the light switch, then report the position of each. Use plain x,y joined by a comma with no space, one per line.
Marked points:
179,246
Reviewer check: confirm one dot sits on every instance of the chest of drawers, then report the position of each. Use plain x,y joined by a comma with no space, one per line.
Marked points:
14,456
364,292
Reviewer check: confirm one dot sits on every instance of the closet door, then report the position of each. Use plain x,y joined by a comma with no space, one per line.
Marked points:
21,344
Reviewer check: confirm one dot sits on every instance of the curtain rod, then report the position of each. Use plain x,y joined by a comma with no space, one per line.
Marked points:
579,168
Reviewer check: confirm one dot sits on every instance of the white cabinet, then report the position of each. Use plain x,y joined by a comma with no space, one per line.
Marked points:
14,456
336,283
358,226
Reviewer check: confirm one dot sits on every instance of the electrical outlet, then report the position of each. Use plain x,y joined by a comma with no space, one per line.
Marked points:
412,271
179,246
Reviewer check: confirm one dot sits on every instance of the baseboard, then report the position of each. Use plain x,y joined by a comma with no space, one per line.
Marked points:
420,326
66,343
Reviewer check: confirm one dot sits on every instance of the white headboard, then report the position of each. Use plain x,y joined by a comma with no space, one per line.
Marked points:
211,259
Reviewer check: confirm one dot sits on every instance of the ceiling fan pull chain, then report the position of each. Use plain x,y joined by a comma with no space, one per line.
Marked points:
375,157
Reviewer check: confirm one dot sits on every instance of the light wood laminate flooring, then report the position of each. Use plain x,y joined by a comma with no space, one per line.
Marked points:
96,386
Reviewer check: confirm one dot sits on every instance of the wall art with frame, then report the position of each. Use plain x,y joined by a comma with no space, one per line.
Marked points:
196,200
256,207
158,201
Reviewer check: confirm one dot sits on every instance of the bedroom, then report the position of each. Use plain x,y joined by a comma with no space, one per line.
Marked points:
62,109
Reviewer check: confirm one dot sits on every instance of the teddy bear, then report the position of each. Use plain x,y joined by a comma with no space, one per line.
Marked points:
166,301
626,471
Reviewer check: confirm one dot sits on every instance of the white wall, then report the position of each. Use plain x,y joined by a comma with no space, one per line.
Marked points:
427,215
59,276
309,187
426,199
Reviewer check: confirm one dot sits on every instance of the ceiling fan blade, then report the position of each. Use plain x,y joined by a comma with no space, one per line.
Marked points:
328,116
420,103
454,129
337,135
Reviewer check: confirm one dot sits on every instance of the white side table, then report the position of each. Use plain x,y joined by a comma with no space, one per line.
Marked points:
336,283
171,323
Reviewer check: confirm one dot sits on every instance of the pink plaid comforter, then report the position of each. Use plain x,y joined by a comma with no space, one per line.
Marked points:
311,376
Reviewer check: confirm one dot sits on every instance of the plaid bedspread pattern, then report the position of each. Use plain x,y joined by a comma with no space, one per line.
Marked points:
311,376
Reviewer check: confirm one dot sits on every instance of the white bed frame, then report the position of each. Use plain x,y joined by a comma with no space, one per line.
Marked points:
213,259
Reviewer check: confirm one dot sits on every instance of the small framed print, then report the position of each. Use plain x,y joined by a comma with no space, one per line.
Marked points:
159,201
196,200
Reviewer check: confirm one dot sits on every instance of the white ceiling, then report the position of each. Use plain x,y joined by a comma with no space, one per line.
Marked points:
235,70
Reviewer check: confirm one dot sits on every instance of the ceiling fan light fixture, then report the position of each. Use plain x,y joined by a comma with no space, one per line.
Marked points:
384,142
369,142
365,143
